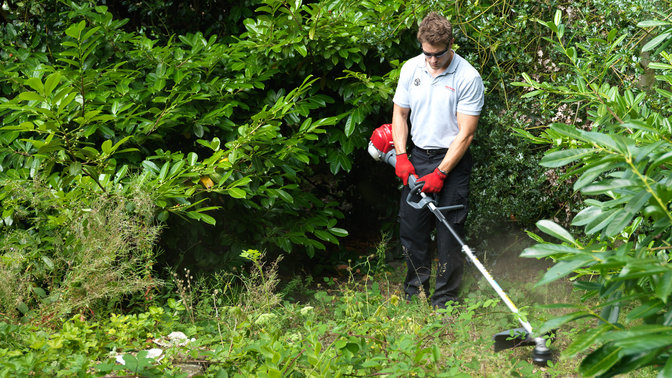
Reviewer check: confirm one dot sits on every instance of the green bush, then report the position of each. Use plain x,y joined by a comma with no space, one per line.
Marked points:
76,252
618,161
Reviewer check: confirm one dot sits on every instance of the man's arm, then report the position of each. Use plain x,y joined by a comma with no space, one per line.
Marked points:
467,125
400,128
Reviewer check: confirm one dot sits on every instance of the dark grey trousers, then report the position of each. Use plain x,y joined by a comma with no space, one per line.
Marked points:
416,226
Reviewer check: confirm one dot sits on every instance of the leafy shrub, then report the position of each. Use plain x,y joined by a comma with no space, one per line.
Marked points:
618,161
75,252
253,126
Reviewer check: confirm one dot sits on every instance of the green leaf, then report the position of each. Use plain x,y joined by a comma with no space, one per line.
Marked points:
163,173
119,143
340,232
192,158
586,339
563,268
30,96
555,323
23,308
163,216
301,48
586,216
663,287
638,201
51,83
36,84
240,182
24,126
553,229
40,292
600,222
151,166
285,196
557,18
652,23
106,147
547,249
202,217
660,66
600,360
324,235
591,174
620,221
643,343
667,369
608,186
567,130
73,31
647,309
349,126
564,157
236,193
48,262
653,43
75,168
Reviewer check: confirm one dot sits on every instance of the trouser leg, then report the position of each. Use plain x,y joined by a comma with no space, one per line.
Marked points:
449,267
416,227
451,260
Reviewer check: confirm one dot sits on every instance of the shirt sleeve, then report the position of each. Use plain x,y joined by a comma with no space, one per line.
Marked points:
471,97
401,95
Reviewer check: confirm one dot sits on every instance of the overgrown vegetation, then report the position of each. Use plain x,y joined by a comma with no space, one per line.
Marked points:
618,159
356,325
123,140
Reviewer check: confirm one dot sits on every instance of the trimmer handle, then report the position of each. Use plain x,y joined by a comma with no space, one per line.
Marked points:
390,158
416,190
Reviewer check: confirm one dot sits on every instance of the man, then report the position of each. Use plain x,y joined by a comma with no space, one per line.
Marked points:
442,95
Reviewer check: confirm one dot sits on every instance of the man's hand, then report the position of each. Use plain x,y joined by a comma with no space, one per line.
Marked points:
404,168
433,181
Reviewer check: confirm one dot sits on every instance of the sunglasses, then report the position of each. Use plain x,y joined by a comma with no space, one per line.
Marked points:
436,55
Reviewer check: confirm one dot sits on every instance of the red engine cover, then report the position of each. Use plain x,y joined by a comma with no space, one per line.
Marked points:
382,138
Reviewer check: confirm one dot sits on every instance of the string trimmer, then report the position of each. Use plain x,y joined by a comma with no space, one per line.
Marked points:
381,148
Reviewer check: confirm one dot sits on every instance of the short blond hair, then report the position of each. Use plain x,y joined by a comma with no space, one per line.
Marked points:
435,30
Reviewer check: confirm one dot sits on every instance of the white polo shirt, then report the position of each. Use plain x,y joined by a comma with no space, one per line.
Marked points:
435,101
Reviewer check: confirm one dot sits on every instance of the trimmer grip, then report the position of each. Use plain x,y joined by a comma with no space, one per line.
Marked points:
390,158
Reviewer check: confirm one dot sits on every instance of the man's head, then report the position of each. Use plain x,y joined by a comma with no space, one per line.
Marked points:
435,30
436,37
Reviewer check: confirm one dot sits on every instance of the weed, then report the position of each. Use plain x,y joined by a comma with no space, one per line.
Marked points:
261,282
80,255
186,292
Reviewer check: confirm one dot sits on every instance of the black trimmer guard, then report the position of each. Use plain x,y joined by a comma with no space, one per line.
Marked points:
512,338
518,337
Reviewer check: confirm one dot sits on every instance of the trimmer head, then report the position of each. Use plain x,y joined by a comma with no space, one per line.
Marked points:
520,337
512,338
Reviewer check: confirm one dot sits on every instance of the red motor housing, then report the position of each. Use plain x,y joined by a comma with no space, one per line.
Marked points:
382,138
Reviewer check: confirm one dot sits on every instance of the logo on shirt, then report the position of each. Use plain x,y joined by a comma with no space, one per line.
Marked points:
416,82
450,88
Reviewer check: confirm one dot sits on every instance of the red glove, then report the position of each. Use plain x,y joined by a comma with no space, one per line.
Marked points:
404,168
433,181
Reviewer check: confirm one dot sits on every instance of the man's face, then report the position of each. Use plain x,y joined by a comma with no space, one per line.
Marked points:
437,56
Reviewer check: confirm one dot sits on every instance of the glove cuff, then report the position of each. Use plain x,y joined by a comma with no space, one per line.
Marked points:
440,173
402,156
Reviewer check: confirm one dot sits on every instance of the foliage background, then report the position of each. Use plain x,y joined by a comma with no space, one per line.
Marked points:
196,130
